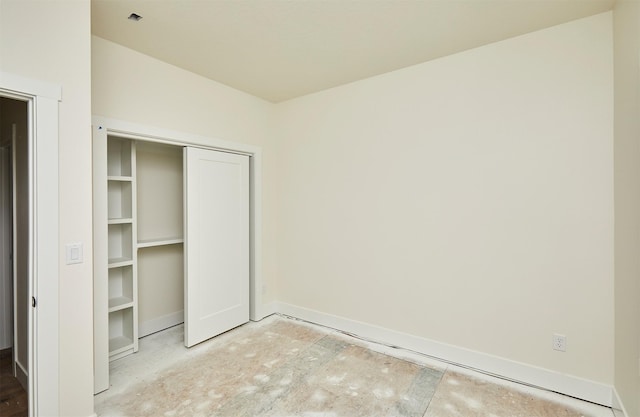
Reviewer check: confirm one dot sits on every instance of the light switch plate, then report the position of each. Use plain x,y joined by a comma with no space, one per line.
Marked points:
74,253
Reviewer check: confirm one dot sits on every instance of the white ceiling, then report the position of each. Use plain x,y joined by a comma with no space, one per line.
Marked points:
278,50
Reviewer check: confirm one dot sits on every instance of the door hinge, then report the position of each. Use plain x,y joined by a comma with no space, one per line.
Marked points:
33,302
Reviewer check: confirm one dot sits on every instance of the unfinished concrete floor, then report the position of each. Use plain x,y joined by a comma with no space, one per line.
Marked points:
281,367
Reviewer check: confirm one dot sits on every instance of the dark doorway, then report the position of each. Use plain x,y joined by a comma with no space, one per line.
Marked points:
14,235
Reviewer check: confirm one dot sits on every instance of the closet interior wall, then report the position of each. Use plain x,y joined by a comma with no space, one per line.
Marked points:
160,236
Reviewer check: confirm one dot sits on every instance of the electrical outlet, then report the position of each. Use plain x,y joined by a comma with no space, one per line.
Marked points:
559,342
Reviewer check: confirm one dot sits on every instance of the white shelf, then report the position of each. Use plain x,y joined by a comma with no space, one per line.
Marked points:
122,178
118,262
149,243
120,221
119,303
127,350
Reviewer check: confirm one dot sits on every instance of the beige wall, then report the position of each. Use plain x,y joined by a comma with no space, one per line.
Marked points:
627,203
133,87
485,177
50,41
466,200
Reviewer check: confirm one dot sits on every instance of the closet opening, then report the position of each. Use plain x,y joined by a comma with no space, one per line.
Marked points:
14,264
176,238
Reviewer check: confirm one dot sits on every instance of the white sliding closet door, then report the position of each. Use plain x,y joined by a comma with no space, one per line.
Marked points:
216,243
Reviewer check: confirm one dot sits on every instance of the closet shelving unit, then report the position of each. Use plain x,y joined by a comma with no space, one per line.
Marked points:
151,243
122,253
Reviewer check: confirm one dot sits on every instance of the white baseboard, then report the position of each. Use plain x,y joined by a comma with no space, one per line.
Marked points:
520,372
618,406
22,376
160,323
261,311
267,310
173,319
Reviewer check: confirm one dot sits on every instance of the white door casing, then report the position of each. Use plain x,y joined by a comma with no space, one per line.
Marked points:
216,243
42,99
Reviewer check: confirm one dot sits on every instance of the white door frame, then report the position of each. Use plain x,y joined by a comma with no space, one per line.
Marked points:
42,105
257,309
